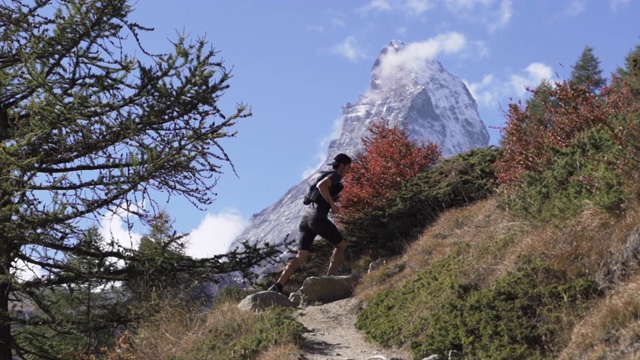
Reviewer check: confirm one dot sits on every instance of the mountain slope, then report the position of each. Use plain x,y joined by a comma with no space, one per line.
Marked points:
413,92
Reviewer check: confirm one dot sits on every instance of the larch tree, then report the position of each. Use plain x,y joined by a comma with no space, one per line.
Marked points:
154,274
91,123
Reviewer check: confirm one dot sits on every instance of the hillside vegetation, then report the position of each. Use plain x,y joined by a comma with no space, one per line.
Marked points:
527,251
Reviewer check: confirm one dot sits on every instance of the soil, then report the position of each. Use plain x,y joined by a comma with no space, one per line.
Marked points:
332,334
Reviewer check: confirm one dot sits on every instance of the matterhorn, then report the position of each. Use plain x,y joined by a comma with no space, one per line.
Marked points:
415,93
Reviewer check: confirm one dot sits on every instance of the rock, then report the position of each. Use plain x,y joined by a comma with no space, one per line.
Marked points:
377,264
617,267
434,357
263,300
296,298
326,289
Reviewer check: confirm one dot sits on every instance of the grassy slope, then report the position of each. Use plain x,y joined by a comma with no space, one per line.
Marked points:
473,250
478,279
476,254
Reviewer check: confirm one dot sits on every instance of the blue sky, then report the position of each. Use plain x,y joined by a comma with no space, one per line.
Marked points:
296,63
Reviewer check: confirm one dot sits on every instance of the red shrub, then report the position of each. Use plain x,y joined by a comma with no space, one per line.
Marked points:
550,120
389,159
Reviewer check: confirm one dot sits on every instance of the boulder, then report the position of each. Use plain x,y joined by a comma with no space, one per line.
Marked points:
325,289
264,299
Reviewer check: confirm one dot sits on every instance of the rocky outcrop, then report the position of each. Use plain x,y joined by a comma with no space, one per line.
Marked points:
617,268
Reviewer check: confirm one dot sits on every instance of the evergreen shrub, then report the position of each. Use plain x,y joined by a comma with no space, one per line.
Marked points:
520,317
580,174
452,182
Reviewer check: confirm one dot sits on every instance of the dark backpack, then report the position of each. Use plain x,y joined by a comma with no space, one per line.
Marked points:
313,193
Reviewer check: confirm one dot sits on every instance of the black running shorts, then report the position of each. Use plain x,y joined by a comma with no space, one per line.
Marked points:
310,226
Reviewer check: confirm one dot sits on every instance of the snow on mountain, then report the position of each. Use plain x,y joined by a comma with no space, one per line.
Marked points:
407,89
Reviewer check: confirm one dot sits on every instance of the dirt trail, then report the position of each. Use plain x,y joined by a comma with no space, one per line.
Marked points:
332,334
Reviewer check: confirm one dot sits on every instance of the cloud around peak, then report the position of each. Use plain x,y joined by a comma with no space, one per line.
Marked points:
413,56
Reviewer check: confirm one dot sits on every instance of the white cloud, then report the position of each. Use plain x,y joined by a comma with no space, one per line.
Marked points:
375,5
414,55
484,92
215,234
480,49
337,21
315,28
535,74
321,155
502,17
212,237
349,48
490,91
617,4
112,226
468,4
26,272
494,14
575,8
418,7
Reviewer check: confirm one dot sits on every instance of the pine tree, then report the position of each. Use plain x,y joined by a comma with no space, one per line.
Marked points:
587,72
86,128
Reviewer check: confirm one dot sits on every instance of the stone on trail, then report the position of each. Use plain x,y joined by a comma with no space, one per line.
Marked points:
325,289
262,300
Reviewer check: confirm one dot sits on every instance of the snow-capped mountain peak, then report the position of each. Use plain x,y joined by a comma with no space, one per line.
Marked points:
409,89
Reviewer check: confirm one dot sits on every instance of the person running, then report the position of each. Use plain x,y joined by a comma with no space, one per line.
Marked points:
315,221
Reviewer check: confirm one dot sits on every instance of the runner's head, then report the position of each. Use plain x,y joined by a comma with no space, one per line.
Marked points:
341,161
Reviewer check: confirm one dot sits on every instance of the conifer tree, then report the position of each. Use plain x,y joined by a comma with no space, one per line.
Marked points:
92,122
79,317
156,275
587,72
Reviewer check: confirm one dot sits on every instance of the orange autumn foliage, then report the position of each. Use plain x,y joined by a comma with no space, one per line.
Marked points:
389,159
558,116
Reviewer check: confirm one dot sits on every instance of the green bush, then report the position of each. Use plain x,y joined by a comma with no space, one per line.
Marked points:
453,182
519,317
396,316
581,174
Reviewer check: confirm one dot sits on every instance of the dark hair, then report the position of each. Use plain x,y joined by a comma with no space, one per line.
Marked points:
340,159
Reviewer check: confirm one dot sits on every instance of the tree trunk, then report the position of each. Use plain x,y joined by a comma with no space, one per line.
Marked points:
5,317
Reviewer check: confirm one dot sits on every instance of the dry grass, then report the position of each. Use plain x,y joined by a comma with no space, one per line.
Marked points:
496,241
281,352
612,329
477,226
176,330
